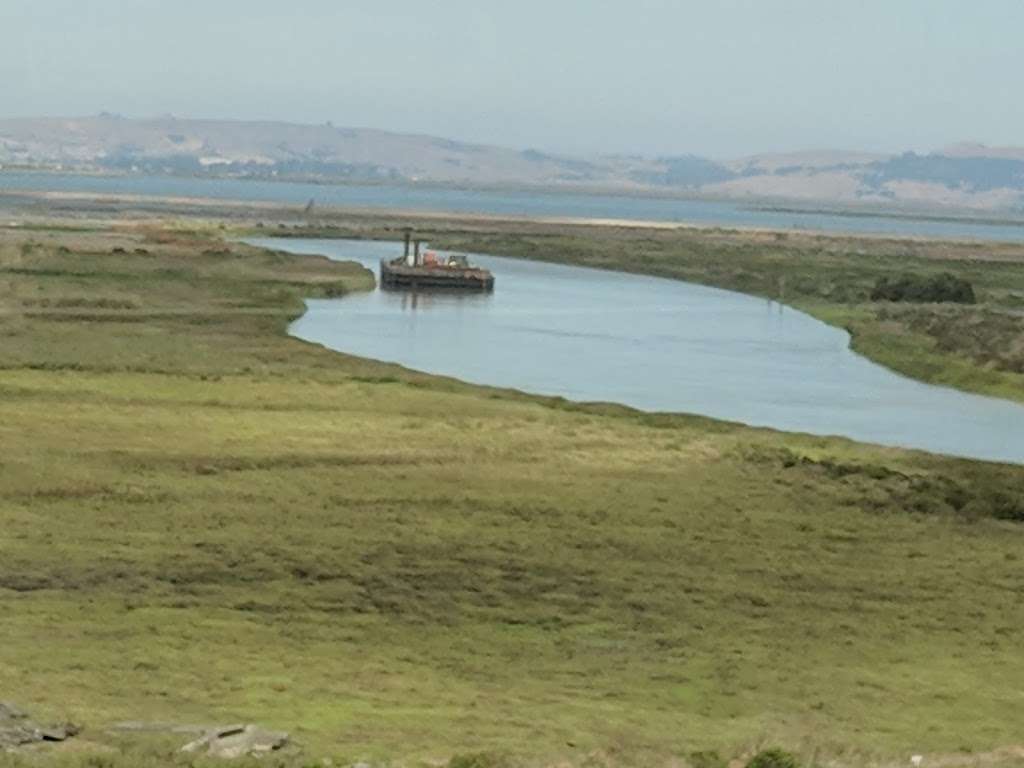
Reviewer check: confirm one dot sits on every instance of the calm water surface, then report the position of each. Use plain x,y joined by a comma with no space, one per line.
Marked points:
657,345
703,212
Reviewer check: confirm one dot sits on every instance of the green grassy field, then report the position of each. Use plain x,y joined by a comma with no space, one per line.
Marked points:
206,521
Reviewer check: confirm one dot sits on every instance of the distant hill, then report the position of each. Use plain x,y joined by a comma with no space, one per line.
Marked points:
960,176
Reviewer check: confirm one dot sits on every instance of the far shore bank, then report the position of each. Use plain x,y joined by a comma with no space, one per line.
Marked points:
813,217
908,210
48,203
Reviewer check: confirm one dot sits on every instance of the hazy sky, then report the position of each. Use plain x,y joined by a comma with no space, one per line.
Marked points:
719,77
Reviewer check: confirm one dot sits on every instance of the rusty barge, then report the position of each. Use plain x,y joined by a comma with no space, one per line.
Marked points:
421,268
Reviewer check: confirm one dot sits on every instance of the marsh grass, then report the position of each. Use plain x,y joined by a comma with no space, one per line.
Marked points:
206,521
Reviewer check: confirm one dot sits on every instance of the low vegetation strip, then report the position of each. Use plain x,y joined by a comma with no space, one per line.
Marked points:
205,521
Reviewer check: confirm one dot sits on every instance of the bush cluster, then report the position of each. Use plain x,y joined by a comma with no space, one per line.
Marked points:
945,287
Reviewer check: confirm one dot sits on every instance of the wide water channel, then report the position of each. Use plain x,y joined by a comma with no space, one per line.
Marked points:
656,345
533,204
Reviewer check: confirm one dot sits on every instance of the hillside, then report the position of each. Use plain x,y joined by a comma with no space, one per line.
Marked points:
398,569
964,176
278,149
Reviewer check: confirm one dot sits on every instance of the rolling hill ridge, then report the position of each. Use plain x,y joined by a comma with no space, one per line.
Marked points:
969,176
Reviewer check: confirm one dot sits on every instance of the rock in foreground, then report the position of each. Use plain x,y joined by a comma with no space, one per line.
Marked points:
17,730
237,741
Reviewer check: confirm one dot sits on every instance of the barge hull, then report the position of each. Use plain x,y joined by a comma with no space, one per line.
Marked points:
453,278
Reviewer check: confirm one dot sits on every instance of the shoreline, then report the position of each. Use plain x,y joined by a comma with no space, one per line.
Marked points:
655,412
767,203
327,211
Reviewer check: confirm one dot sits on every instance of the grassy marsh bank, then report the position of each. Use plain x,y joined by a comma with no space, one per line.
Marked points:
204,520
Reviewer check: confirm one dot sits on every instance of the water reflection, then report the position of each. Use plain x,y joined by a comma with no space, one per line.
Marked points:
426,299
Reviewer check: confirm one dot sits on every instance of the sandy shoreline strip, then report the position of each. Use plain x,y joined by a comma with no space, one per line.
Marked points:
209,206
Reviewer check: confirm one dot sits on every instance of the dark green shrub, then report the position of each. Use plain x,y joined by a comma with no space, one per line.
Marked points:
924,289
773,758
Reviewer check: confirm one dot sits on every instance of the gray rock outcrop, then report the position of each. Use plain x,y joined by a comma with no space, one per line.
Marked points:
237,741
17,730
